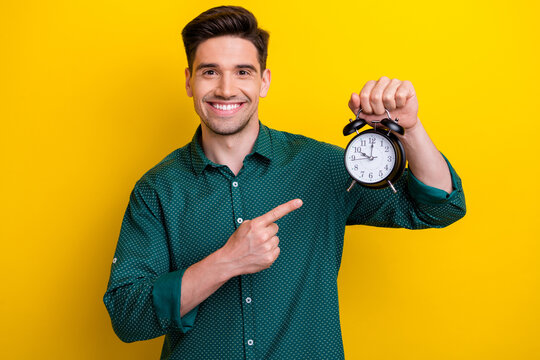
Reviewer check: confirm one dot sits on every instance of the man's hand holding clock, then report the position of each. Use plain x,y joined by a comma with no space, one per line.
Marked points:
399,98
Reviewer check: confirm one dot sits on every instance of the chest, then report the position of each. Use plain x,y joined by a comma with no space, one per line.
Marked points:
200,218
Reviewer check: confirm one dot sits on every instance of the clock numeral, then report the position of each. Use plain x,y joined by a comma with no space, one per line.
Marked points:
363,142
386,149
380,173
370,175
372,140
355,167
389,159
362,173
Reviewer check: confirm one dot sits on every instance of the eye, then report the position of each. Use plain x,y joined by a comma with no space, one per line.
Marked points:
243,73
209,72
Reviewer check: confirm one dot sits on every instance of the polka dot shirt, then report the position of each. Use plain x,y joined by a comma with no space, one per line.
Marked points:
187,207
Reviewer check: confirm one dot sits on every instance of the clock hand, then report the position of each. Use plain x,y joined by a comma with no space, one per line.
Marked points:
366,155
371,155
364,158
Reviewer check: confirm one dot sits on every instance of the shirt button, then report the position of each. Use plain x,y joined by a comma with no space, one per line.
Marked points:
235,184
240,220
248,300
250,342
114,260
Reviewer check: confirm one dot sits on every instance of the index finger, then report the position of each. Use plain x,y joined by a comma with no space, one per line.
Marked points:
354,103
280,211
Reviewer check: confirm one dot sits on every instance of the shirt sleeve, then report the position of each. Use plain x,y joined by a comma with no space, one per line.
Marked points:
414,206
143,294
426,194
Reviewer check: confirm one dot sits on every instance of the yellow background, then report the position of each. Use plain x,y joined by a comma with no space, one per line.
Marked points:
92,95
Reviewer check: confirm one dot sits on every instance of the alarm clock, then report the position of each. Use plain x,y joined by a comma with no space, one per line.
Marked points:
375,158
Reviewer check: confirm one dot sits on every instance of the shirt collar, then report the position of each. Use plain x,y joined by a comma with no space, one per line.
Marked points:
199,161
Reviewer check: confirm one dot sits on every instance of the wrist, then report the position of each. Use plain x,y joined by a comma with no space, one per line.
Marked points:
413,132
416,139
223,265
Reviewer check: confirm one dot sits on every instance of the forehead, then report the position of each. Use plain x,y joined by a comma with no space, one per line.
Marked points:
226,51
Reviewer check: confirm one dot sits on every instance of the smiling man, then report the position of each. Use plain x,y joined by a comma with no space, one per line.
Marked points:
226,84
199,259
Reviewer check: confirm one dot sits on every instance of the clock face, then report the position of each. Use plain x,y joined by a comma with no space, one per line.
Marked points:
370,157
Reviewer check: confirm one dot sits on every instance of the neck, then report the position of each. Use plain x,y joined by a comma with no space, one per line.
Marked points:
230,150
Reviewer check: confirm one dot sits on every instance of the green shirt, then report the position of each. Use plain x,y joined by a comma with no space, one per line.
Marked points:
187,207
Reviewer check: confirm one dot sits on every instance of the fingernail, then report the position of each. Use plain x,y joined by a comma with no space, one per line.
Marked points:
298,202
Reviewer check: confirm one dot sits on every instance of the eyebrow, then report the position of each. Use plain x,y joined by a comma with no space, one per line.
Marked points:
212,65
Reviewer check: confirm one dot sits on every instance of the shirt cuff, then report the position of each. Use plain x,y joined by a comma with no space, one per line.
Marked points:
427,194
166,298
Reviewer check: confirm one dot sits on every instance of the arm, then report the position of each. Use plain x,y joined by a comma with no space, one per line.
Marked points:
399,98
425,161
414,206
145,299
142,289
202,279
429,192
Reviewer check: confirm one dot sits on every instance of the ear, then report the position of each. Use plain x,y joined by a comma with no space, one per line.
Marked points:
266,77
188,85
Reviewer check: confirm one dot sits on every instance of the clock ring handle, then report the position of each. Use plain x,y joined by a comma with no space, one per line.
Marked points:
353,126
392,125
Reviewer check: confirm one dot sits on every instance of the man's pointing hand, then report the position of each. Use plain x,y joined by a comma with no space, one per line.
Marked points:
254,245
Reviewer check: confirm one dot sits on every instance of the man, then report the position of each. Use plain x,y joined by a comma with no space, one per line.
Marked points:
199,259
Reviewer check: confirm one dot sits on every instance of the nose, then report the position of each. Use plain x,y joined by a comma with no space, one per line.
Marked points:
225,87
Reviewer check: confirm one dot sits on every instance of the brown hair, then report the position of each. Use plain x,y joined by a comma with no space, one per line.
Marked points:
225,20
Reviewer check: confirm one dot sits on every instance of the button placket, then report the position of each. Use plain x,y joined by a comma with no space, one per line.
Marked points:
237,203
248,316
245,280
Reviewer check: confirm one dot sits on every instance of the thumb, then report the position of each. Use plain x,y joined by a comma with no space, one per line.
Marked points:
354,103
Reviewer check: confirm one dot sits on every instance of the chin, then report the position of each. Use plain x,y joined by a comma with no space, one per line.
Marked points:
224,126
219,127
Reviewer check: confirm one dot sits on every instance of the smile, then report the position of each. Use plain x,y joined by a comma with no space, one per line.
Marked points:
225,108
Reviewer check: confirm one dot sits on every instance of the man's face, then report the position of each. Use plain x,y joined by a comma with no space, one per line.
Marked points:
226,84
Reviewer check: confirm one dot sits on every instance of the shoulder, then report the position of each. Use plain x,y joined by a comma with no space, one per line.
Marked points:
292,145
171,168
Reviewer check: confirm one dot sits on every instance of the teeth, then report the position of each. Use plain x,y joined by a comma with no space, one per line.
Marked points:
226,107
